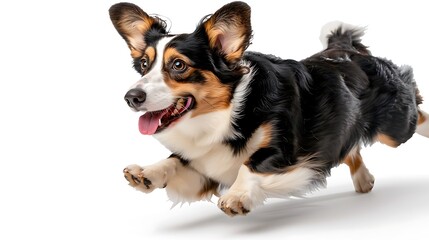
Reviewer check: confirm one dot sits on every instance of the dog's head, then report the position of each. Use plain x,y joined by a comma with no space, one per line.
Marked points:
184,74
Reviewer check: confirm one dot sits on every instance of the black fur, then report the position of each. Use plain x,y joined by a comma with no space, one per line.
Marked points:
274,99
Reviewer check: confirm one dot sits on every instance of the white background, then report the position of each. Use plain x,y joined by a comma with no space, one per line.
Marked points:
66,133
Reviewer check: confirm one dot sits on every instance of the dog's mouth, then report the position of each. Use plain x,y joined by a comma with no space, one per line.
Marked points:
153,122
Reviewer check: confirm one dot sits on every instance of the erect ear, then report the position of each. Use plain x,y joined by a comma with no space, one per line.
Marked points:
229,30
132,23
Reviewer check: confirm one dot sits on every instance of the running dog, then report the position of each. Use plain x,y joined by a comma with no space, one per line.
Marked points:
246,126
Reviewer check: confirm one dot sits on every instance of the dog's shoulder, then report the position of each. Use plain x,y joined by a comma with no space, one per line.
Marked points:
276,70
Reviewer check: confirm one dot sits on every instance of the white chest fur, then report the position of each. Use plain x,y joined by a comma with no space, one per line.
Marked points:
200,139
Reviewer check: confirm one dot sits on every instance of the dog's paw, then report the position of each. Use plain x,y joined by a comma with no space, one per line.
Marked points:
363,180
235,203
145,179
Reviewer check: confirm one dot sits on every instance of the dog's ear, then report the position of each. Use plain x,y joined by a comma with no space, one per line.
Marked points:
132,23
229,30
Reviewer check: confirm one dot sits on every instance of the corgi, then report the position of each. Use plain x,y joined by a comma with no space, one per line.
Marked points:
246,126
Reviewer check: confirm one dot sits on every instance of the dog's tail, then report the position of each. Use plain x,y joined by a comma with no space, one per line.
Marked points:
406,75
341,35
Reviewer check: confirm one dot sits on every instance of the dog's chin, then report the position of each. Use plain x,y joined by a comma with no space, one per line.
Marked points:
154,122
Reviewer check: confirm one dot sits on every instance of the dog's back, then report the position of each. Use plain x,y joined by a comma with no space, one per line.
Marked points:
387,94
355,98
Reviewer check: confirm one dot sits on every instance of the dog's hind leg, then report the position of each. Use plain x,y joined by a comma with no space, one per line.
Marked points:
182,182
362,178
251,188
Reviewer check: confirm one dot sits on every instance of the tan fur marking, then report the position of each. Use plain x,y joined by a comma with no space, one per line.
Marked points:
134,30
387,140
151,52
421,119
363,180
171,54
132,23
135,53
209,188
217,31
212,33
267,129
235,55
211,95
354,161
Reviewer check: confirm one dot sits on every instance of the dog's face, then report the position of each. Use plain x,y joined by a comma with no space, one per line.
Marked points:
186,74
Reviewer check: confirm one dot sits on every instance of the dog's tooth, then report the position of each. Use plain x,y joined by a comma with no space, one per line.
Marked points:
179,104
175,112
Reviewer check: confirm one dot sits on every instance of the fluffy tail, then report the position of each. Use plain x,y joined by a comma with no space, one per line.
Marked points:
406,75
423,124
339,35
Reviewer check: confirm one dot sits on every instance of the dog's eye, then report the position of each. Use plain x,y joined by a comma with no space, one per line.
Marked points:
179,65
144,63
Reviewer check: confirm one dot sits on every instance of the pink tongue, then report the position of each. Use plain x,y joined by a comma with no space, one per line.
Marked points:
148,123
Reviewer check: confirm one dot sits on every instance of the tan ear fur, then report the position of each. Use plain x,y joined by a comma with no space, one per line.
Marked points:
132,23
229,30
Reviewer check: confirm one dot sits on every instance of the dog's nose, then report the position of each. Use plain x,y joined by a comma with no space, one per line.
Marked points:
135,98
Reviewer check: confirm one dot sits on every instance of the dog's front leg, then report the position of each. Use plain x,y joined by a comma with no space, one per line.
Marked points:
148,178
182,182
243,195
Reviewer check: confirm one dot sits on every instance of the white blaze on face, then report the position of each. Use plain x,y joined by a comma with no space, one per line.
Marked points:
158,94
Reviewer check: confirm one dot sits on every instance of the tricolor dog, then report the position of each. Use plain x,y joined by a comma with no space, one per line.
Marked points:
246,126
